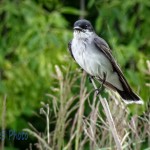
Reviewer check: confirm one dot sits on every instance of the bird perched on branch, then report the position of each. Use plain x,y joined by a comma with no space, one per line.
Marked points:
93,54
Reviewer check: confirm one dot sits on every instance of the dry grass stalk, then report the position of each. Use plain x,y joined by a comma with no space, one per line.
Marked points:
79,130
83,97
43,142
110,119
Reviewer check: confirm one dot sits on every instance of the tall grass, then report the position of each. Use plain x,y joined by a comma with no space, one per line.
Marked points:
70,126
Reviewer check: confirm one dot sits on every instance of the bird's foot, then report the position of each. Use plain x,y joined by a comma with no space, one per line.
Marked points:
98,91
90,78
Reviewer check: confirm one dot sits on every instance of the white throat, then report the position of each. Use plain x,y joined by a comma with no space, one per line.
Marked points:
82,35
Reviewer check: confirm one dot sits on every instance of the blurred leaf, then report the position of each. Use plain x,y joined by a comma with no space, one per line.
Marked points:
69,10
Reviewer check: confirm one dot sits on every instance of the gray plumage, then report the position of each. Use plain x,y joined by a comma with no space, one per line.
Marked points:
93,54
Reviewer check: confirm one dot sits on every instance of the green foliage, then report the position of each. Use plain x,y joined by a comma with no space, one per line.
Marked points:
32,41
34,37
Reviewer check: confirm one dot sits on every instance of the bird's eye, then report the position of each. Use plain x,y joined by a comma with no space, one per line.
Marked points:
86,26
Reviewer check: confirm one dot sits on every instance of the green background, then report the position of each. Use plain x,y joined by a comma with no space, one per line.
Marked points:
34,38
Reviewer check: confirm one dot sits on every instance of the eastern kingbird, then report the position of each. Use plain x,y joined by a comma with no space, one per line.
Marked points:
93,54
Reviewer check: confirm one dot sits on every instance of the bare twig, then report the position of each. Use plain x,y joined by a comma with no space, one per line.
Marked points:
82,9
47,121
39,138
110,119
46,113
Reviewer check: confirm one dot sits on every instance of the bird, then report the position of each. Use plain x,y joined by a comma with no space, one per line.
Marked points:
94,56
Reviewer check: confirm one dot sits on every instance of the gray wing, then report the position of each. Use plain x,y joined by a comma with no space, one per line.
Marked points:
69,48
104,48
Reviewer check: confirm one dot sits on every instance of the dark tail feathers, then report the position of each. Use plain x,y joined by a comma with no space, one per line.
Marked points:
130,97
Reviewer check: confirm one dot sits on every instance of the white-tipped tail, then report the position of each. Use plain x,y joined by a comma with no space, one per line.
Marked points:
141,102
129,97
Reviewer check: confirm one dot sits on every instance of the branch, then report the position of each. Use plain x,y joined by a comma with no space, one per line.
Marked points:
110,119
82,9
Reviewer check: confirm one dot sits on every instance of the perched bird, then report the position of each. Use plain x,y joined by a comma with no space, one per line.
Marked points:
93,54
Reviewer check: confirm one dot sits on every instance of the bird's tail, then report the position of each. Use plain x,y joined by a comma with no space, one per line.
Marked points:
130,97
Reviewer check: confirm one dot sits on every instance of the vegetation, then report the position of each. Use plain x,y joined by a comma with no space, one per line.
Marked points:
80,121
35,66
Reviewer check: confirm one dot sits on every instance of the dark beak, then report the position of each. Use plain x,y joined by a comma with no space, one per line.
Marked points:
78,28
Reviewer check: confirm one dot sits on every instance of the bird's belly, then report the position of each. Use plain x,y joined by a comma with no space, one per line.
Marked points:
95,63
92,61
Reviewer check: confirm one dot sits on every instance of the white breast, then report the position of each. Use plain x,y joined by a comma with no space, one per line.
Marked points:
93,61
87,56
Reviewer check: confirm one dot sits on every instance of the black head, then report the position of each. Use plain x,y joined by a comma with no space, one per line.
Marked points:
83,25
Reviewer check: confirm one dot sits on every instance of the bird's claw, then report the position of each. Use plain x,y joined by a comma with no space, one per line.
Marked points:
90,78
97,91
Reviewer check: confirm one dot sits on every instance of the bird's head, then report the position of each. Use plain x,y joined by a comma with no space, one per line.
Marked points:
83,28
